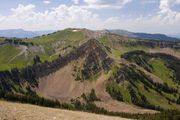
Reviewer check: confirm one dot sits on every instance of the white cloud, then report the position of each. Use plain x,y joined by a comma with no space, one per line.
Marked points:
46,2
165,5
165,21
168,15
21,9
63,16
57,18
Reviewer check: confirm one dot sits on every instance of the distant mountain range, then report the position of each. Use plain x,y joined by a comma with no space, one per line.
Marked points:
147,36
20,33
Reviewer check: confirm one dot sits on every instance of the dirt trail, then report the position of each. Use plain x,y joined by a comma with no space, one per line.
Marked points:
113,105
17,111
23,51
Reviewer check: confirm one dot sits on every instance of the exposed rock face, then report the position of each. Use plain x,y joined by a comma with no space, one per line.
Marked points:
96,61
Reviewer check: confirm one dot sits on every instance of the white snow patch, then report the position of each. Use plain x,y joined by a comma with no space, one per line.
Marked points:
75,30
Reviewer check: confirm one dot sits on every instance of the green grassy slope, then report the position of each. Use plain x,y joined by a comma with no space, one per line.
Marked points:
160,70
158,96
7,53
66,35
53,45
133,87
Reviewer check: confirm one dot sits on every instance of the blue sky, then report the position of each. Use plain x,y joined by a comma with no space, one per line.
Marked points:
154,16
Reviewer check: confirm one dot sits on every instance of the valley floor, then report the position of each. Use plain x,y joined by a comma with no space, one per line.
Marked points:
17,111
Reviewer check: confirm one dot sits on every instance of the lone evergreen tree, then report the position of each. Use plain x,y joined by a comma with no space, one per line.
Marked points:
37,59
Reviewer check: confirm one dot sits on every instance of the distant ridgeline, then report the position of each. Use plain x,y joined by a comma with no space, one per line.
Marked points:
145,36
152,44
120,40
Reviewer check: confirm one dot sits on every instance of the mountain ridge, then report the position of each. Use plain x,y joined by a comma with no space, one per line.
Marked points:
20,33
140,35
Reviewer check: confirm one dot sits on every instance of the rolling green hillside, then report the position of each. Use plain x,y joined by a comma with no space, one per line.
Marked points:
138,73
47,47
